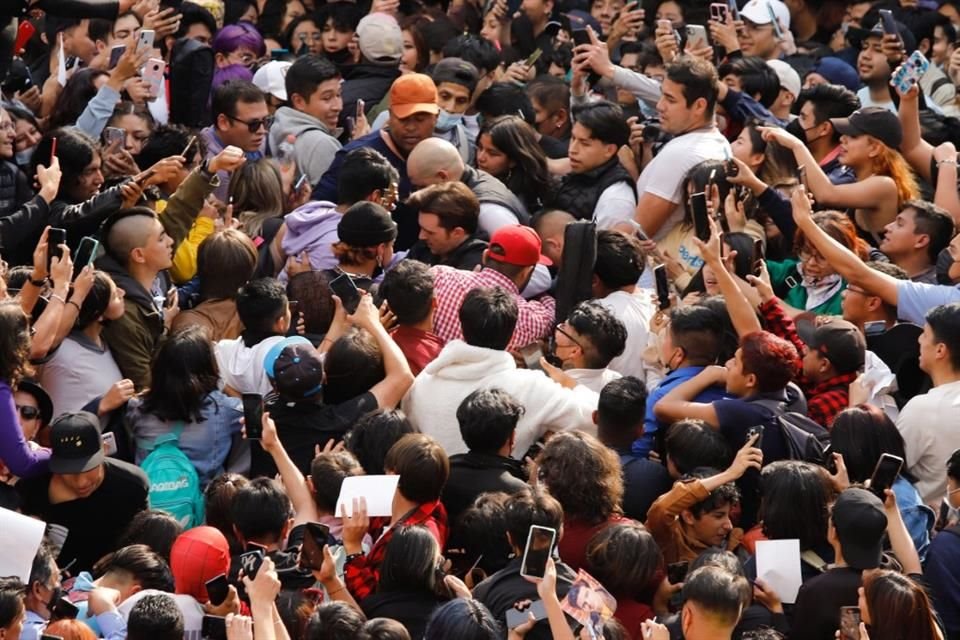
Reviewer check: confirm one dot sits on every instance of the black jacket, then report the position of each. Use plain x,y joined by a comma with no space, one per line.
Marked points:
474,473
579,192
367,82
467,256
489,189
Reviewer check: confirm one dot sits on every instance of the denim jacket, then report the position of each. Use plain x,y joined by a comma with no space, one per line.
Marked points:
206,443
918,517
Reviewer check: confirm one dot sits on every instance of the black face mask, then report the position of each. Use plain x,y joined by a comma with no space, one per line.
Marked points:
343,56
796,129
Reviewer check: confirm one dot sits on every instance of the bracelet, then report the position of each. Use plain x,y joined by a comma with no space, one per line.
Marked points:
54,296
947,161
74,304
37,283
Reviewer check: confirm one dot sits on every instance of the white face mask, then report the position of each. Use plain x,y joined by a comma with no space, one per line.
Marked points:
447,120
23,157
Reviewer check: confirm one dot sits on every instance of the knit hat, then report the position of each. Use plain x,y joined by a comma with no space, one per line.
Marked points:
197,556
366,224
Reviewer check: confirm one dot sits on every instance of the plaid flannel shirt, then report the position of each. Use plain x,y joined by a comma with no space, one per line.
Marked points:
362,573
825,399
535,318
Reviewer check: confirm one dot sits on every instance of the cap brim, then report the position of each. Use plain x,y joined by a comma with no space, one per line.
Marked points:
844,127
544,260
69,466
407,110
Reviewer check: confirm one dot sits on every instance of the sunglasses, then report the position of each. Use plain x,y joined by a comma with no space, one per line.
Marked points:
254,125
28,413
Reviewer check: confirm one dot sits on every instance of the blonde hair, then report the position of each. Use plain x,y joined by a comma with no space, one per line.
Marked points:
257,193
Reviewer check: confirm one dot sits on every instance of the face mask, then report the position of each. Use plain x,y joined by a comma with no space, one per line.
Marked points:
447,120
22,158
343,56
55,595
796,129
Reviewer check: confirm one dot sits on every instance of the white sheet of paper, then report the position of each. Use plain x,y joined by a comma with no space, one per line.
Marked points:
778,565
378,490
22,537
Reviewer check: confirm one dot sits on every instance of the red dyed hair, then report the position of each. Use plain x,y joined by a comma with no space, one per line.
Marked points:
773,360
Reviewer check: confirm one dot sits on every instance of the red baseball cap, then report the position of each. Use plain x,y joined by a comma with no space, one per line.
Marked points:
517,245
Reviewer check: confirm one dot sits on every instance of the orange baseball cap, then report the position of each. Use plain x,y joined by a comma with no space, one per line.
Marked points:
413,93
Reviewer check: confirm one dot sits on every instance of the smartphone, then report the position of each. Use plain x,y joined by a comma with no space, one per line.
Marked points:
697,36
537,551
114,136
849,623
719,12
299,183
53,149
24,32
217,589
885,474
532,60
253,415
361,109
86,254
757,257
874,327
116,53
343,287
757,430
889,23
778,32
153,75
802,177
145,41
63,609
294,313
580,36
250,562
109,443
698,208
515,617
828,462
531,355
214,628
909,73
314,540
663,286
55,238
734,10
677,572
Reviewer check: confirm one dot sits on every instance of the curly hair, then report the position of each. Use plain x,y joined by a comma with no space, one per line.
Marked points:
14,342
583,475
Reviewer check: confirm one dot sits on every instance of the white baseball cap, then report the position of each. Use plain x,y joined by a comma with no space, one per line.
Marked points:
271,78
758,12
789,78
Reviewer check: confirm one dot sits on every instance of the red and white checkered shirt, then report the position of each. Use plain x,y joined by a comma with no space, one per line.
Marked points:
535,319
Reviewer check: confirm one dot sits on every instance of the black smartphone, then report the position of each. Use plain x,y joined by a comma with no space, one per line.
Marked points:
214,628
802,177
889,23
86,253
55,238
253,415
47,636
849,623
757,257
294,314
677,572
580,36
698,207
315,538
663,286
115,54
250,562
758,429
63,609
516,617
344,288
539,547
217,589
885,474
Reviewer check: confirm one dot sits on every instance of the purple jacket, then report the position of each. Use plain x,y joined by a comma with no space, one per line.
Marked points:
312,228
14,450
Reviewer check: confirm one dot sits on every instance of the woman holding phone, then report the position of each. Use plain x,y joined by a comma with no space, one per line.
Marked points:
894,606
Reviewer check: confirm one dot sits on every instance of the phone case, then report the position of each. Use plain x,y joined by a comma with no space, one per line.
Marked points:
910,72
153,74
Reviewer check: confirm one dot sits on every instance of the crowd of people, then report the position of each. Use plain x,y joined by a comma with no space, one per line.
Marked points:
611,296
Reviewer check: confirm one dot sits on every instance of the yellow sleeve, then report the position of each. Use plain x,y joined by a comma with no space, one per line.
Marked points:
185,259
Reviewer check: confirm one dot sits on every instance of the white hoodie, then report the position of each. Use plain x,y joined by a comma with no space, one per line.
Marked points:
241,367
432,401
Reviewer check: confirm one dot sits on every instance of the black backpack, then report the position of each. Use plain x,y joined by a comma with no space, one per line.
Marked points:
191,76
805,439
575,278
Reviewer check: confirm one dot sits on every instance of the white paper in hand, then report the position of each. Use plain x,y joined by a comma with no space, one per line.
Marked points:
61,63
378,490
778,565
22,536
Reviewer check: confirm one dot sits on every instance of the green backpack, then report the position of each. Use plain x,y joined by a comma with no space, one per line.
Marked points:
174,483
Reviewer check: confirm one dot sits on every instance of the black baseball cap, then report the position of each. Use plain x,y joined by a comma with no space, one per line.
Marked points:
366,224
878,122
839,341
295,367
856,35
861,525
456,71
44,403
75,443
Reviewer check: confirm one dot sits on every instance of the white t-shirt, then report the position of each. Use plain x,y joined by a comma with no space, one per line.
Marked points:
665,175
78,372
635,310
928,424
617,203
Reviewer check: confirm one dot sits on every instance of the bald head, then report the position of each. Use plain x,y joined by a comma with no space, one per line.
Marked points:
129,233
550,226
433,161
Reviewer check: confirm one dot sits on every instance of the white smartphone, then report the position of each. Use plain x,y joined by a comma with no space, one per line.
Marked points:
109,443
153,74
697,36
145,41
539,547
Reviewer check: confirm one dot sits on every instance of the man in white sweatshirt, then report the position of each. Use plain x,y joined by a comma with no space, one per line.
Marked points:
488,316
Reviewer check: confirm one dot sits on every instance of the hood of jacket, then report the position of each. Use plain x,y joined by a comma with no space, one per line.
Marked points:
132,289
309,222
290,121
460,361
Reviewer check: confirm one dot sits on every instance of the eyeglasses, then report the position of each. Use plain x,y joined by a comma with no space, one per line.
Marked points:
254,125
853,289
559,329
28,413
805,256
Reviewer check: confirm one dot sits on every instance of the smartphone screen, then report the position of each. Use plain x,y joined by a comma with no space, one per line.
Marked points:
217,589
516,617
214,628
537,552
55,238
885,474
86,253
294,313
253,415
757,257
663,287
314,540
343,287
850,623
115,54
677,572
